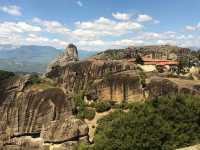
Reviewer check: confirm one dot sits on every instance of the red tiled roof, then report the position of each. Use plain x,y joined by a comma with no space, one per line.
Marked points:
149,61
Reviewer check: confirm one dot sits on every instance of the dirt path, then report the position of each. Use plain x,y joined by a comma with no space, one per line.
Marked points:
92,124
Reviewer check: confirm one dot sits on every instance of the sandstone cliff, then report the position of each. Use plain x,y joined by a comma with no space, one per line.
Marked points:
40,116
37,118
110,75
159,86
116,80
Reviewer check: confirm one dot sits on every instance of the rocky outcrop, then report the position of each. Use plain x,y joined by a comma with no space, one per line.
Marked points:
196,147
116,80
154,51
159,86
34,119
70,55
72,52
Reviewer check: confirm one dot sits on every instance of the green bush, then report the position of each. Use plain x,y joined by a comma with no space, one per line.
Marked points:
83,146
165,123
122,106
82,111
86,113
79,99
102,106
35,79
5,74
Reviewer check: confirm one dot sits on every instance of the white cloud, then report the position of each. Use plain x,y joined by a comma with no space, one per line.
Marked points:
17,27
52,26
193,28
127,42
100,34
11,10
79,3
33,39
144,18
104,27
156,21
190,28
121,16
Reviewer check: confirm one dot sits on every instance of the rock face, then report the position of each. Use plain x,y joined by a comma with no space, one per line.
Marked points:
70,55
164,86
196,147
72,52
110,80
37,119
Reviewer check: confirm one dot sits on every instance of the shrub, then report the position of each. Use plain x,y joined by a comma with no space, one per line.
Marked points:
122,105
35,79
102,106
5,74
90,113
165,123
79,99
81,109
83,146
86,113
139,60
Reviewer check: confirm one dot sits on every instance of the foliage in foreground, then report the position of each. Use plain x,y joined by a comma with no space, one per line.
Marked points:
166,123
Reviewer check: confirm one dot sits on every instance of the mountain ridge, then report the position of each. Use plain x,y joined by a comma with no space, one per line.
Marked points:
31,58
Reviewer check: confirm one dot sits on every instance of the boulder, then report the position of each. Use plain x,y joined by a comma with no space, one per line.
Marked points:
70,129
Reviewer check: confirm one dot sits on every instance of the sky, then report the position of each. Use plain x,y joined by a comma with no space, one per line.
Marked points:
96,25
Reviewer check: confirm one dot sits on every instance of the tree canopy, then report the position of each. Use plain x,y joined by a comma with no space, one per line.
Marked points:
165,123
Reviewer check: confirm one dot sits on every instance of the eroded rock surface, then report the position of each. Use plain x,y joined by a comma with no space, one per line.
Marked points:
34,119
116,80
164,86
70,55
196,147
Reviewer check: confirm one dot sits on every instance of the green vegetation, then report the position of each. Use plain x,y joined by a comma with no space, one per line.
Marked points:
108,75
36,82
184,62
35,79
139,60
142,76
165,123
82,111
102,106
5,74
86,113
123,106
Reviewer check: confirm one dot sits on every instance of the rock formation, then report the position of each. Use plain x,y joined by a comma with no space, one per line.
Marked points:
72,52
37,118
70,55
109,80
196,147
110,76
41,118
159,86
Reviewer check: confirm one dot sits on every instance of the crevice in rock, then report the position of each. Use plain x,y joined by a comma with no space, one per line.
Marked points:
68,140
33,135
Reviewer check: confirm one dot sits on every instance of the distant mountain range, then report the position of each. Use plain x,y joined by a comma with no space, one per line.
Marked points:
30,58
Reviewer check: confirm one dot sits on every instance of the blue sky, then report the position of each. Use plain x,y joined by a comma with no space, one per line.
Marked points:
100,24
